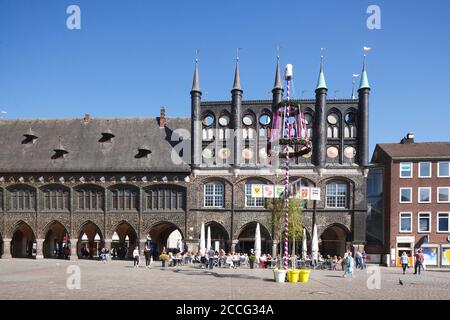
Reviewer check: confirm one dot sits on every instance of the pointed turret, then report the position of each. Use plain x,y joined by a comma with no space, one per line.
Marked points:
277,91
320,126
321,83
364,78
236,113
363,118
196,97
195,82
237,78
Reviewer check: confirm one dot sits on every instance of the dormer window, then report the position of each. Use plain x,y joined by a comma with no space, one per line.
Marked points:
30,137
60,152
107,136
143,152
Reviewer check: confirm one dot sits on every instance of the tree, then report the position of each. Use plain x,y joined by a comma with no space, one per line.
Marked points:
278,209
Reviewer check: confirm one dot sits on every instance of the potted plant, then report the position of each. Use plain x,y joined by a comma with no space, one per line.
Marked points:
164,257
252,260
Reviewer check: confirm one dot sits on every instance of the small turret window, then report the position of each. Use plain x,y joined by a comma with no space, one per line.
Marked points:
350,125
333,126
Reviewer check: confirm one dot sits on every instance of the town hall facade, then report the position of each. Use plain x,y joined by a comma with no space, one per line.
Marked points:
108,182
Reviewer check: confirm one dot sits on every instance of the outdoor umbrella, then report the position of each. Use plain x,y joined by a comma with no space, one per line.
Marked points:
315,244
257,242
202,240
208,240
304,245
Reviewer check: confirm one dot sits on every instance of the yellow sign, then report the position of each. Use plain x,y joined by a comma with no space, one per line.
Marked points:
257,191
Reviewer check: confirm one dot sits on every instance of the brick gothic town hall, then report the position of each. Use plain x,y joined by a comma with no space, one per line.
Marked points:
105,182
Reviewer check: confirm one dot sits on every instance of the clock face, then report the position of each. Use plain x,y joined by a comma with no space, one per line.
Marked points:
333,118
247,154
349,152
332,152
248,120
224,153
208,120
224,120
264,120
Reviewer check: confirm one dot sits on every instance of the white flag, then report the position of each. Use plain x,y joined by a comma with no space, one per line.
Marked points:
367,48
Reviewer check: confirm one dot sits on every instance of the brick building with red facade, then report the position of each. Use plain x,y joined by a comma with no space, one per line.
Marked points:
413,205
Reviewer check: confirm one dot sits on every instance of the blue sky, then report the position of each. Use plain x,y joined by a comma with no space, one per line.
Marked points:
130,57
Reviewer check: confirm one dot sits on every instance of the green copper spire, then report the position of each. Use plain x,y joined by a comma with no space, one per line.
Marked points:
321,83
364,79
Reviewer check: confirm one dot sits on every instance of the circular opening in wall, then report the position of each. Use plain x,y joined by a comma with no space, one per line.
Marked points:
208,120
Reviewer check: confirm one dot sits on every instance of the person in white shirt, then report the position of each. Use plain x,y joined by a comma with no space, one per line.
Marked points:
136,257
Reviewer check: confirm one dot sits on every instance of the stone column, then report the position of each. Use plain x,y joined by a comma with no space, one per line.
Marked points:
73,249
274,248
6,249
40,248
233,245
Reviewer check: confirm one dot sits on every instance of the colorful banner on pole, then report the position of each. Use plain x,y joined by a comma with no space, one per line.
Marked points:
277,191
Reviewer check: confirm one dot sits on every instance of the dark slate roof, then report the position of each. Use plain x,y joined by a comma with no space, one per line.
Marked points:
421,150
86,153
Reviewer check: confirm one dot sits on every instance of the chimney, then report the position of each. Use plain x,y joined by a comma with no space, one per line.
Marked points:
408,139
162,117
87,118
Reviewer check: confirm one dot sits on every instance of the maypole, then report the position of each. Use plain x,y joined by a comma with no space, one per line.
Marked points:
286,135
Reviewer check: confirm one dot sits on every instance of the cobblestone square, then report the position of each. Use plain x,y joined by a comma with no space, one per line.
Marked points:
47,279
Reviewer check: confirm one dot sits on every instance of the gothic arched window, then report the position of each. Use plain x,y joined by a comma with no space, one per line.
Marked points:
333,121
22,198
55,198
90,198
124,198
165,198
350,125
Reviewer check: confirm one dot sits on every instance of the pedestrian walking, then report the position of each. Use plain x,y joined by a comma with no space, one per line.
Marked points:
349,264
211,254
147,255
136,257
419,257
404,260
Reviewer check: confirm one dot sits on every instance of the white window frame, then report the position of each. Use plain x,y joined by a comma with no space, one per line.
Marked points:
431,169
400,170
400,222
429,222
254,199
418,194
336,196
437,222
400,195
214,195
438,169
437,195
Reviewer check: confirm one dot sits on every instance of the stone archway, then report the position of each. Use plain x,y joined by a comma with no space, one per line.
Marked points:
160,233
56,241
23,242
219,236
90,241
124,240
334,240
247,238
